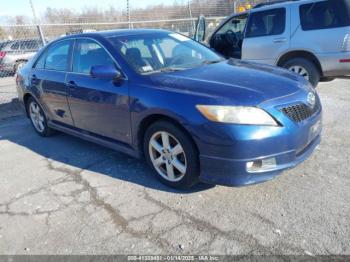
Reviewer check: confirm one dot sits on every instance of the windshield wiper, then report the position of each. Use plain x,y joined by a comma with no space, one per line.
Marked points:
164,70
209,62
170,69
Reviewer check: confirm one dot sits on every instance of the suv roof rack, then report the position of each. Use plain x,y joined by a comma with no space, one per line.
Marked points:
273,3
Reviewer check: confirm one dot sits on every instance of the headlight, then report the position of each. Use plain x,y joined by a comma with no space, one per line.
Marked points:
237,115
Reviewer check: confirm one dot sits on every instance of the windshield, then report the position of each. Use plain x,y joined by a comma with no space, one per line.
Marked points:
236,24
163,52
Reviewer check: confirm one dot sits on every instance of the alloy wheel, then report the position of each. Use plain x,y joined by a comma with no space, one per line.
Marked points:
37,117
168,156
300,71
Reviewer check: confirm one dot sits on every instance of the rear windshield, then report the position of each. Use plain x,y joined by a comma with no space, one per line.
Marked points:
325,14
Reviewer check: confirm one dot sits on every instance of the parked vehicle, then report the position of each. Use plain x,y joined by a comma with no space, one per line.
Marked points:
193,115
14,54
311,38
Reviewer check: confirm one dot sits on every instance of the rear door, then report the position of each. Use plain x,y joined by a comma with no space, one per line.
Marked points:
324,26
48,80
99,106
267,35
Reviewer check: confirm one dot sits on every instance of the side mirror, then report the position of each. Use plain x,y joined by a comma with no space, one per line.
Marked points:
199,35
109,72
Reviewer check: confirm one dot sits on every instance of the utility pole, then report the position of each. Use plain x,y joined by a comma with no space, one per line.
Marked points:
36,21
128,13
190,12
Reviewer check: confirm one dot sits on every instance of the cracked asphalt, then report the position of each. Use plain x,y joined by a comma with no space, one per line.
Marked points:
62,195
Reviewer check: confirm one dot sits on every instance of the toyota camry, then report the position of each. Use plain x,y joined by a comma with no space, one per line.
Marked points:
191,114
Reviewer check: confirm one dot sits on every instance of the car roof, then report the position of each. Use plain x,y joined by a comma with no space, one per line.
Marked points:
116,33
279,3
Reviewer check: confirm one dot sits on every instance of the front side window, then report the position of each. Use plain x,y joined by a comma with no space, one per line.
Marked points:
325,14
266,23
57,56
88,53
162,52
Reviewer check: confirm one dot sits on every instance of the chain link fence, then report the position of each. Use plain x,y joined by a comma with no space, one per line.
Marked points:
22,36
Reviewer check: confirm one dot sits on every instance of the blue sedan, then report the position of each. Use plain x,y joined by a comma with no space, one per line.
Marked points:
159,95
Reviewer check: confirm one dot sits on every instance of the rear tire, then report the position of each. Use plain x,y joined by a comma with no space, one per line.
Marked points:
305,68
327,79
37,118
175,162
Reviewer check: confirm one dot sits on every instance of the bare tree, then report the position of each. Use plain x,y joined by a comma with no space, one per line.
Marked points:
3,34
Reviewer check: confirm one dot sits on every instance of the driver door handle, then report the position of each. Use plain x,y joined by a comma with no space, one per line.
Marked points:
280,40
34,80
71,84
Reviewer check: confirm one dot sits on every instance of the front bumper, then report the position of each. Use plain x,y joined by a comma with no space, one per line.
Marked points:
232,172
225,150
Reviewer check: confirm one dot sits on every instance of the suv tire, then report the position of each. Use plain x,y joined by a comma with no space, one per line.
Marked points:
305,68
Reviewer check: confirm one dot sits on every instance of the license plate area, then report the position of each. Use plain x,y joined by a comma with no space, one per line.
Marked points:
315,130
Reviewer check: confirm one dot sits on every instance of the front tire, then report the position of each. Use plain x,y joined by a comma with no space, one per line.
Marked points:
38,118
171,153
305,68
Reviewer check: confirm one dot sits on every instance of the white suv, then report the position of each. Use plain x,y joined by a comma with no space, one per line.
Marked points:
309,37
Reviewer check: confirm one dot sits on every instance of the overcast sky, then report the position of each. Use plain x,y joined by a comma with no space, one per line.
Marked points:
22,7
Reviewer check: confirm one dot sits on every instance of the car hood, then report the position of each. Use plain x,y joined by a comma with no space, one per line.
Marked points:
244,83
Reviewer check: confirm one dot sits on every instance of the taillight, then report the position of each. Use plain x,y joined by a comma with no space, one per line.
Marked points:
2,55
346,43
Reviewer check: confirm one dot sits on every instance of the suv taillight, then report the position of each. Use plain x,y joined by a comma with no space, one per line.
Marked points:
2,55
346,43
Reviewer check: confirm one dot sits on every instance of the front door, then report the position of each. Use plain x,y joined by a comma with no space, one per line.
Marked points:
267,35
99,106
228,39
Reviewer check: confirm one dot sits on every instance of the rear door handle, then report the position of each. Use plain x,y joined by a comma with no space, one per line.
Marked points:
280,40
71,84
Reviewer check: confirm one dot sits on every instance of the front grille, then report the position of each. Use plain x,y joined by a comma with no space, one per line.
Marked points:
300,112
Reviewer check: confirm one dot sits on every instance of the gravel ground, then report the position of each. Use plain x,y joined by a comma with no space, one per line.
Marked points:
9,106
61,195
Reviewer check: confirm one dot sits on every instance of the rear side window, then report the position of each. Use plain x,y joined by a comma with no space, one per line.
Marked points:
265,23
15,46
88,53
57,56
3,45
324,15
30,45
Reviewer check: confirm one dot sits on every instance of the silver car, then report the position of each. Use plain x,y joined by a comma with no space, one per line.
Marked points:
309,37
14,54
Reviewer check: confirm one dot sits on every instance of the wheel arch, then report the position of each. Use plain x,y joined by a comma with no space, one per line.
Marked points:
21,60
25,102
300,54
147,121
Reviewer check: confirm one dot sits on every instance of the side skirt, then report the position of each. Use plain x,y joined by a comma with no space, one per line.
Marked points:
112,144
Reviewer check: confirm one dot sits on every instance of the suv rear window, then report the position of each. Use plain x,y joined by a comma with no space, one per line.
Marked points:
325,14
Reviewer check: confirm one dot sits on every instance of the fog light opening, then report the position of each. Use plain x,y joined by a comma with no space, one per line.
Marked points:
262,165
